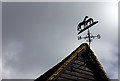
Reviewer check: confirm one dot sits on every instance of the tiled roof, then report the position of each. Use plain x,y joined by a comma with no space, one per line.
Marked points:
71,69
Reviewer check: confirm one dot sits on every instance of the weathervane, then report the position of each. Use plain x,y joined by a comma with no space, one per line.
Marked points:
84,25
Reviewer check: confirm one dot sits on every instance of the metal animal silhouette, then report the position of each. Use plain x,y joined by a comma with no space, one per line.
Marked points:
86,23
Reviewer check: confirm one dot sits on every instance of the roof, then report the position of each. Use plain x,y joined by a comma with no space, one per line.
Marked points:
83,50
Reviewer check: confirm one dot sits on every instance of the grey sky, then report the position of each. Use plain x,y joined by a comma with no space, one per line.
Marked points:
119,39
36,36
59,0
1,40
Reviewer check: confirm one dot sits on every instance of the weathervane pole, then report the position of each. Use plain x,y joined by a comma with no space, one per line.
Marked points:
89,40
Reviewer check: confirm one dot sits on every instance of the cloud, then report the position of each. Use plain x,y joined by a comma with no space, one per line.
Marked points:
107,54
10,55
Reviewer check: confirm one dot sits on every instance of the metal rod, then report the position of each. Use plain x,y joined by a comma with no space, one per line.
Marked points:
89,39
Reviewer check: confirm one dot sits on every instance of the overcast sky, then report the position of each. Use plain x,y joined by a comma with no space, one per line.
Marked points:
37,36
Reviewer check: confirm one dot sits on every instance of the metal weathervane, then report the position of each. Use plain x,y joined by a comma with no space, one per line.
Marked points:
84,25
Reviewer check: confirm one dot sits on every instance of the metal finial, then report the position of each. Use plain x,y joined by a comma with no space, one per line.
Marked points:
87,23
